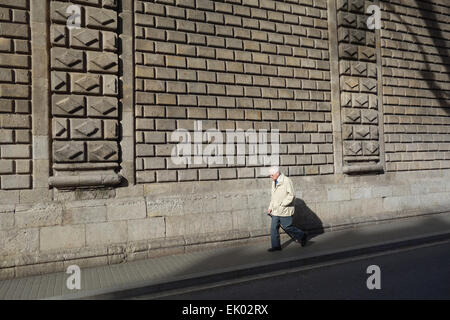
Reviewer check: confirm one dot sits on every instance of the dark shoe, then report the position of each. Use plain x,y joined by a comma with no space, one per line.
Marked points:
304,240
274,249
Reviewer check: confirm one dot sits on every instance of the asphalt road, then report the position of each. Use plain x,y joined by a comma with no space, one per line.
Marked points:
421,273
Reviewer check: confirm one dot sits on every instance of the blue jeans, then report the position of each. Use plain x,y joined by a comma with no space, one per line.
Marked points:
286,223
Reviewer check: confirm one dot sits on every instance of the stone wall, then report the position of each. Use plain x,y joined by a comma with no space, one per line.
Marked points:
15,96
235,65
416,84
87,116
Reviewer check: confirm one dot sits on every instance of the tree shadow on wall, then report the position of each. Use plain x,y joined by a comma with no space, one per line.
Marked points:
439,42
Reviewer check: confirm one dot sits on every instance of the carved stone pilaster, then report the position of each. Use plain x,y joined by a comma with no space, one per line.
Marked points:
360,103
84,94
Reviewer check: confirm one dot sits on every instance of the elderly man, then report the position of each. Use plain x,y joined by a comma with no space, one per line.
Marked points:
281,209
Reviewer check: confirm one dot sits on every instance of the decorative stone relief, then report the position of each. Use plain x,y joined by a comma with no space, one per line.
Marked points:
84,85
358,86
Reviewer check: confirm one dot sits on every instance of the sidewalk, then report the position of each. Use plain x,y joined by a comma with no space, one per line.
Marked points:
177,271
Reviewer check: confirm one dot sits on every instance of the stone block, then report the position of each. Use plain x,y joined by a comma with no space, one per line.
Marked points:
84,214
208,174
37,194
65,59
217,223
62,237
103,151
6,217
88,262
382,191
166,176
401,203
164,206
39,269
102,62
371,209
15,121
241,220
338,194
15,151
401,189
6,166
360,192
7,273
351,208
105,19
18,242
14,60
146,229
9,182
86,83
315,194
187,175
9,196
86,129
193,224
68,151
68,105
106,233
175,226
127,209
38,215
326,210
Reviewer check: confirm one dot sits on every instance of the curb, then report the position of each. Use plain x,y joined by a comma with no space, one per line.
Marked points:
157,286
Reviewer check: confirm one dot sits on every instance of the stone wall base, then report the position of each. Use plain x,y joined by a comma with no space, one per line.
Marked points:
92,228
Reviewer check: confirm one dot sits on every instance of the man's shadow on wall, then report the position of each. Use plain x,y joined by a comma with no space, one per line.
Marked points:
306,220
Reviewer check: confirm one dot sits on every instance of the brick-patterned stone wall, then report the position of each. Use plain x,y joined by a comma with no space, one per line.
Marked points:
86,175
416,84
241,64
85,87
15,95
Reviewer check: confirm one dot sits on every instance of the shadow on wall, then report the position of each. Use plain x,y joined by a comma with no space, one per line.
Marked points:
305,219
439,41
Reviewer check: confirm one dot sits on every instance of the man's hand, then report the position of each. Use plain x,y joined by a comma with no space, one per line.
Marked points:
269,211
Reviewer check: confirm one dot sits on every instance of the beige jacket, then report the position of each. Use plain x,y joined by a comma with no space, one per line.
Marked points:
282,202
